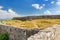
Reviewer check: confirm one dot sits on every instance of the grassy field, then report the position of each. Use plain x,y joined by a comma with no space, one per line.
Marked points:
38,23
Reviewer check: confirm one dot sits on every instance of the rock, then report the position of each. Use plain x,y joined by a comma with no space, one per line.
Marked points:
50,33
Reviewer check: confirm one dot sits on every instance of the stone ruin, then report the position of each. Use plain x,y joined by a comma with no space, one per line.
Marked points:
50,33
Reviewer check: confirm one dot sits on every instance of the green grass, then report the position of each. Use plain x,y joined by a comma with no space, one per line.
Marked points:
4,36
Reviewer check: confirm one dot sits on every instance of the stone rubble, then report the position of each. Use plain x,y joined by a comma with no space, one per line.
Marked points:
50,33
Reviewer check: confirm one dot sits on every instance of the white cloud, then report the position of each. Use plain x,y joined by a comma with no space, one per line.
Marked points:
58,0
1,7
43,4
47,12
41,7
57,12
37,6
52,2
7,14
12,13
58,3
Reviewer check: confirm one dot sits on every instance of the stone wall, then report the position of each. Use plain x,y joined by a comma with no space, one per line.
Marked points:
14,33
50,33
18,33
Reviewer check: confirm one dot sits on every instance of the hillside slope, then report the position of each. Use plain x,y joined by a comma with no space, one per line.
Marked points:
37,17
37,23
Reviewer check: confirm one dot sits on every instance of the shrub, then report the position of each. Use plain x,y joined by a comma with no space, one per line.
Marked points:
4,36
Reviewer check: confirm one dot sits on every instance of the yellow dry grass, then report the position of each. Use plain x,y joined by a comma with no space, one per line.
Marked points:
38,23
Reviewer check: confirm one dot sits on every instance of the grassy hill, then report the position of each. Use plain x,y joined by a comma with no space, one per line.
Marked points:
37,17
33,21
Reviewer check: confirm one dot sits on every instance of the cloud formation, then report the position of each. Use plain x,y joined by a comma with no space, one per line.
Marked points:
52,2
58,2
7,14
37,6
47,12
12,13
1,7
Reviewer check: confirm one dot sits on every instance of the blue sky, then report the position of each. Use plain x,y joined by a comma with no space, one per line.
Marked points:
29,7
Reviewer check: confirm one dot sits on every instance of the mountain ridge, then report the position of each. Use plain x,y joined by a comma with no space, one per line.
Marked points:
37,17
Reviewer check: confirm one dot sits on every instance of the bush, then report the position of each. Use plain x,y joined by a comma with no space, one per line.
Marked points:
4,36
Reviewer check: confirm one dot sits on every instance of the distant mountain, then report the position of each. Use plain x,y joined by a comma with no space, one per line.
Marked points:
37,17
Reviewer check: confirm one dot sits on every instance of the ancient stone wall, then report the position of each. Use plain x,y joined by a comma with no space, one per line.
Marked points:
14,33
17,33
50,33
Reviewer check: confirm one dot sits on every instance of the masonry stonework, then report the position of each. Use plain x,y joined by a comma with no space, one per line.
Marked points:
14,33
50,33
